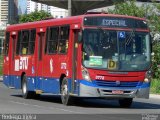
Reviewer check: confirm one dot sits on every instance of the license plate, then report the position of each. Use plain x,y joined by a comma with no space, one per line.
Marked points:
117,92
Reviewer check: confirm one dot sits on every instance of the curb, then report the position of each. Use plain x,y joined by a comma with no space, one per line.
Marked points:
155,96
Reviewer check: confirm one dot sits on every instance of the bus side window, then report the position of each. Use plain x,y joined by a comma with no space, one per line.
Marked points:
64,39
52,40
32,41
24,42
6,44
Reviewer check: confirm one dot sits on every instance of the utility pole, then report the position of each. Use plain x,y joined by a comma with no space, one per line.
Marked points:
69,7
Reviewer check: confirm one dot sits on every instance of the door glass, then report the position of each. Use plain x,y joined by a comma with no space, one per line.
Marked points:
41,36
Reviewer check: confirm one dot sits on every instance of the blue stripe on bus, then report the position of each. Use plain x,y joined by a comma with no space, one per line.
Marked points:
87,83
12,81
52,85
48,85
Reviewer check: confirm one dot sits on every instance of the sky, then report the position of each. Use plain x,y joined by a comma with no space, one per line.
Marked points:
23,5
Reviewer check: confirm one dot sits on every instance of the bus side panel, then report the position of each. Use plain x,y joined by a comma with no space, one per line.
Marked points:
38,85
6,79
31,83
12,79
52,72
51,85
23,65
17,81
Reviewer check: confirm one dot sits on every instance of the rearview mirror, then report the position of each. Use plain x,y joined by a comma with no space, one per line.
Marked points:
152,54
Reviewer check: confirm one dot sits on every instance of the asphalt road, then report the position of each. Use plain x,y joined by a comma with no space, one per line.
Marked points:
11,101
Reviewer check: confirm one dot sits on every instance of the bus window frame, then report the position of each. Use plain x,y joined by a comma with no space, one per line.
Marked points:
32,41
60,39
23,42
47,40
19,42
5,43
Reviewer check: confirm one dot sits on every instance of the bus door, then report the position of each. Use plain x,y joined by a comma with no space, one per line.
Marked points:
12,59
7,45
39,64
75,57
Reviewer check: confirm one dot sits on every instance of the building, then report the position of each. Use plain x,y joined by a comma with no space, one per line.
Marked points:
4,11
31,6
19,10
58,12
3,21
54,11
12,11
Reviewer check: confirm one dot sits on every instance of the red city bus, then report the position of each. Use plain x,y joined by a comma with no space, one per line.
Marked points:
92,55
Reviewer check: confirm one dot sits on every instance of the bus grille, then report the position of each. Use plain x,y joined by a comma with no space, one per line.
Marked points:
105,83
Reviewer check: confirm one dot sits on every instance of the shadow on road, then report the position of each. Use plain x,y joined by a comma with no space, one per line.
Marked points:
95,103
103,103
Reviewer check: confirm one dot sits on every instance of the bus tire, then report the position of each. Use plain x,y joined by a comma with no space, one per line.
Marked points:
25,93
126,102
65,97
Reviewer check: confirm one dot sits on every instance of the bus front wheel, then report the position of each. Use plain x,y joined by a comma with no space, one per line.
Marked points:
26,94
65,97
126,102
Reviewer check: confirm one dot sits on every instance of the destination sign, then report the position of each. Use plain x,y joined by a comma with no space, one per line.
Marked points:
118,23
115,22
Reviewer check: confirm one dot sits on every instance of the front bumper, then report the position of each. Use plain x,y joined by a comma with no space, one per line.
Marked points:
88,89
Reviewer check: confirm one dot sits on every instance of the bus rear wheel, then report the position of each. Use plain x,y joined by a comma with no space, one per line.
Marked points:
126,102
25,93
65,97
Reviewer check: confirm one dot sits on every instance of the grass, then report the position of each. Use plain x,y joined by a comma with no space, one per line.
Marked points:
155,86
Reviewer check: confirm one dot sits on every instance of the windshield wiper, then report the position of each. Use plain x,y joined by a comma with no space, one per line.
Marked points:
130,38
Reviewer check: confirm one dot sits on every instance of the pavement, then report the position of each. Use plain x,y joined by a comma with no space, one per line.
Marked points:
1,78
155,96
151,95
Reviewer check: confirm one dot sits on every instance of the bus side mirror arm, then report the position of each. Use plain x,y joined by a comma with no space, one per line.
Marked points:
151,38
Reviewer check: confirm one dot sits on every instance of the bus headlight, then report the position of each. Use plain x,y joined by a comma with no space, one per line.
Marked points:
146,80
85,75
148,76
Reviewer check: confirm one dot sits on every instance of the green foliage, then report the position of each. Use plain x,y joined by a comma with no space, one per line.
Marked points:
156,60
34,16
155,86
129,8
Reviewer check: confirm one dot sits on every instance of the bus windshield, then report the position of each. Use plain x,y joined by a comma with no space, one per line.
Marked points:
116,50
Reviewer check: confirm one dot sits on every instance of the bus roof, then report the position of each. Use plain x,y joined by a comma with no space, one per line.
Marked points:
60,21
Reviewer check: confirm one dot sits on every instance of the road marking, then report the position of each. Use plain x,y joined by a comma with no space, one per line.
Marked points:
66,110
19,103
45,107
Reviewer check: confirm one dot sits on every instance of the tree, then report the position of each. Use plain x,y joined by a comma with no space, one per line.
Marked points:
34,16
150,12
128,8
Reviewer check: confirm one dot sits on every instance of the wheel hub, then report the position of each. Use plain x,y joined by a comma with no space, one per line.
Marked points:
24,88
64,90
